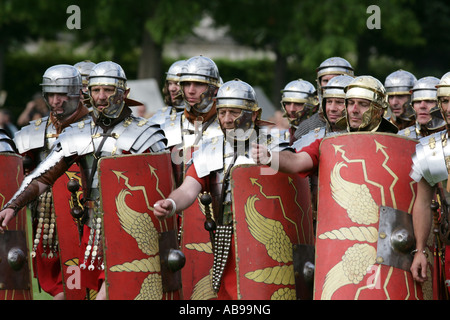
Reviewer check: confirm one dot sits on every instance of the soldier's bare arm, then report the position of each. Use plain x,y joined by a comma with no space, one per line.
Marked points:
289,162
422,219
179,199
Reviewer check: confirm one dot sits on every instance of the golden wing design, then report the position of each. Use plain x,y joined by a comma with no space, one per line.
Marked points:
138,225
203,289
151,288
354,266
355,198
268,232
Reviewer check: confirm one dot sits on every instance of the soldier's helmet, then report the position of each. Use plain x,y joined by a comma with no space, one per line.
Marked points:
335,88
84,67
426,89
369,88
443,90
173,74
239,95
333,65
108,73
204,70
63,79
401,82
300,91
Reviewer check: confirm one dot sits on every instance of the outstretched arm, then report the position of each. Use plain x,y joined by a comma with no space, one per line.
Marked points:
288,161
182,198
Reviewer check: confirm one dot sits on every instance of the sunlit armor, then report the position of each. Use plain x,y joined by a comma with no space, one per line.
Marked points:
113,131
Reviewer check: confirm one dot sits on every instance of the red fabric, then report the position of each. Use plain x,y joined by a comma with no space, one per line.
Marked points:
314,153
48,271
91,279
191,172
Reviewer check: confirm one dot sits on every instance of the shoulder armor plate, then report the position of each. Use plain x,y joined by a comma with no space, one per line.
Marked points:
431,159
31,136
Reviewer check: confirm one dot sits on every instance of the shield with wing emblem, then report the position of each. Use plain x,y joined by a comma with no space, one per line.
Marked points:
272,214
15,277
364,224
140,251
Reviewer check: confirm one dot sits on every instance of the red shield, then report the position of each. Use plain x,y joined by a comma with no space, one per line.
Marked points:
15,278
135,242
272,214
362,177
68,236
196,246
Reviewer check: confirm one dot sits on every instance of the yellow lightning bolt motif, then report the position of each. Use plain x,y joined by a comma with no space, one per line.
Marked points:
254,181
380,147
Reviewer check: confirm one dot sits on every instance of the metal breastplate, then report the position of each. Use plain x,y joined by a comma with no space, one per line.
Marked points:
162,114
431,159
184,137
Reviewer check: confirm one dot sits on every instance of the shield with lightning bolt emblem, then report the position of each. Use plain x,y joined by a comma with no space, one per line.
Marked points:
69,236
15,277
271,215
139,250
364,232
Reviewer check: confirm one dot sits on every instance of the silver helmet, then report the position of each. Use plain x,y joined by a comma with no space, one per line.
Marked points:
443,90
173,74
63,79
240,95
401,82
85,68
204,70
335,88
109,73
174,71
300,91
333,65
425,89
